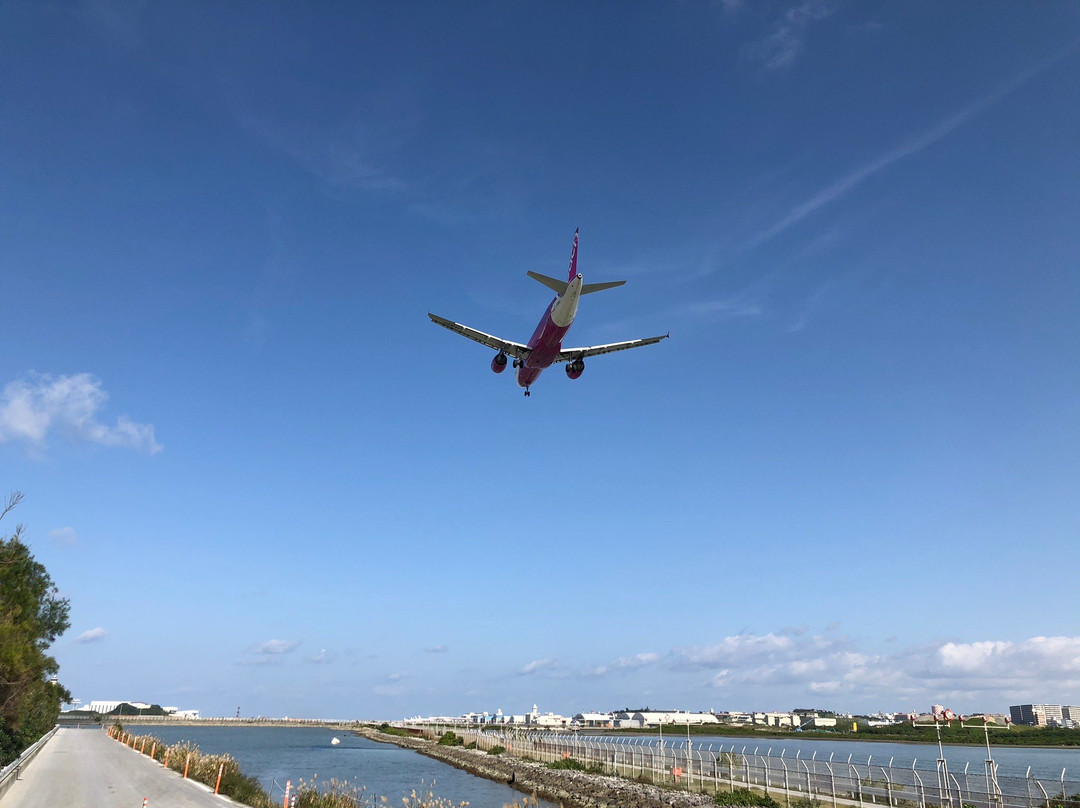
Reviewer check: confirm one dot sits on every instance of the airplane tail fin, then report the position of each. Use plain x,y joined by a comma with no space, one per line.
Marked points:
589,288
554,284
573,259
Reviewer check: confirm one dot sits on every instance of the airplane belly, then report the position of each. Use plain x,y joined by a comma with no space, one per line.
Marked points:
528,375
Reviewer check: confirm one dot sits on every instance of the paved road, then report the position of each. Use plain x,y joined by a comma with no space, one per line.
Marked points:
84,768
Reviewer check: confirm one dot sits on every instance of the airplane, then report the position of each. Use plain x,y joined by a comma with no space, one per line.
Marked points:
545,345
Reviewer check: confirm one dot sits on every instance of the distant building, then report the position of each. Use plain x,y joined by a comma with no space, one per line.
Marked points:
606,720
818,722
1038,715
656,718
776,719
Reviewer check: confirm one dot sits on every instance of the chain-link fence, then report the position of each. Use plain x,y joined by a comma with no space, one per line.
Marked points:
790,779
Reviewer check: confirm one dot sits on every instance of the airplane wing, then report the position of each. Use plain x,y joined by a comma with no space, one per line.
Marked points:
569,354
514,349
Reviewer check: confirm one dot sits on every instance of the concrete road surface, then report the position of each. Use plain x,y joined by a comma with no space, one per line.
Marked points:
84,768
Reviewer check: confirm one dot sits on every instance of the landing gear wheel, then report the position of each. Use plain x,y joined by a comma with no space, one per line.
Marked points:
527,393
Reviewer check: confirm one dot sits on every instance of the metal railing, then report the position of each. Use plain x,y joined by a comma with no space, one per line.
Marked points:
793,780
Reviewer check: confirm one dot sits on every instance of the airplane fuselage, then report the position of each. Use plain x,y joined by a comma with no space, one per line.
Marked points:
546,341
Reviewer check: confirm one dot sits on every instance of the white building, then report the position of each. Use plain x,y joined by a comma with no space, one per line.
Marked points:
606,720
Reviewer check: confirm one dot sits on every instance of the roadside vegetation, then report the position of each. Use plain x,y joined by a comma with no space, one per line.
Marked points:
574,765
745,797
32,616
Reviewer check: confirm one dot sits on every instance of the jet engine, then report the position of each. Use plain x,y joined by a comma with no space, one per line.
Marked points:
498,364
575,368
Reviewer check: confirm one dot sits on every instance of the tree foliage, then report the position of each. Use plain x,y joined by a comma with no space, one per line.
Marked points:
32,616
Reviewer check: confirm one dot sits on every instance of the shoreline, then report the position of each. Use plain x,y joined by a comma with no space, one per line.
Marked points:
571,789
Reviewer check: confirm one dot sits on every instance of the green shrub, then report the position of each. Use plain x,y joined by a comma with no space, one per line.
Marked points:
450,739
745,797
496,750
568,763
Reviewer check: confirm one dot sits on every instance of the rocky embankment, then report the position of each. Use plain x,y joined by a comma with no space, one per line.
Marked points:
570,788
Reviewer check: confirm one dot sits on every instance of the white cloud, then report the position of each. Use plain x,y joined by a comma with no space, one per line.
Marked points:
33,407
437,649
321,658
276,647
625,663
538,665
796,664
64,536
93,635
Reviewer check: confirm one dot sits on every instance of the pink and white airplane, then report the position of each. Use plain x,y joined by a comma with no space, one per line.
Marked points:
545,345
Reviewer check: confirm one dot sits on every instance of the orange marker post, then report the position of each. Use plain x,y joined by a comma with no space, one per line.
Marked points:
220,769
153,748
166,758
145,802
288,788
142,746
186,764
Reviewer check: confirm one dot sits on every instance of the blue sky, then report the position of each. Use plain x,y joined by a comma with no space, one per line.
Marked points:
266,481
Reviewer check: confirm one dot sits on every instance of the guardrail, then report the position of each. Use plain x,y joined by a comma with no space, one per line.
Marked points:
11,772
803,782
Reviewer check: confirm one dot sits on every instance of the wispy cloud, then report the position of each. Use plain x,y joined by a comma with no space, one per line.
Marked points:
324,657
787,38
722,308
538,665
625,663
340,159
38,405
93,635
276,647
437,649
908,148
63,536
271,652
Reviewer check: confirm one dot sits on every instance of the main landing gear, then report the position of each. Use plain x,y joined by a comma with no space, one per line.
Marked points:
527,391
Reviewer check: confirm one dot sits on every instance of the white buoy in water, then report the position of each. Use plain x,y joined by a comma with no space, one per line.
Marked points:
335,741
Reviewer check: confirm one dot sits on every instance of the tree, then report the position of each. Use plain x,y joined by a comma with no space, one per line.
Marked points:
32,616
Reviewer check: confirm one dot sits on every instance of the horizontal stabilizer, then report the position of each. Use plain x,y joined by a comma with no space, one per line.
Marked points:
557,286
589,288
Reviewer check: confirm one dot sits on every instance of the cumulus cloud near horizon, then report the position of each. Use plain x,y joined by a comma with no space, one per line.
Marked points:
796,664
38,405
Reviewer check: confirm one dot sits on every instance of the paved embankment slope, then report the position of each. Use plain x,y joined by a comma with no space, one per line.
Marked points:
83,768
573,789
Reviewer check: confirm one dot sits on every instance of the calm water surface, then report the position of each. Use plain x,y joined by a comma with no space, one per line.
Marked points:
276,754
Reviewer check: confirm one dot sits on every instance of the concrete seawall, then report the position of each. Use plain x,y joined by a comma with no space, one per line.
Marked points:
571,788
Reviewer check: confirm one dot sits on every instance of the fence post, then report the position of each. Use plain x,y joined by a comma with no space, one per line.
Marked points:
832,781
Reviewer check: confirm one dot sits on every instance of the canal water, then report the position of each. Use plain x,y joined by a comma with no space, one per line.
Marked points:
276,754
